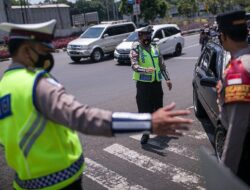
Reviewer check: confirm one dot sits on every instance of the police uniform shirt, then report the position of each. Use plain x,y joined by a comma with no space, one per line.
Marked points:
235,118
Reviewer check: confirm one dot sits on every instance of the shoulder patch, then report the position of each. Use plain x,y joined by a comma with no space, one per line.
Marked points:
53,82
5,106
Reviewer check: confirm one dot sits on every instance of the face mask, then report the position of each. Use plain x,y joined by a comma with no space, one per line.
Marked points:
45,61
146,42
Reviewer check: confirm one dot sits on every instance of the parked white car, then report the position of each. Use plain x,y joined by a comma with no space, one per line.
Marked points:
167,36
99,40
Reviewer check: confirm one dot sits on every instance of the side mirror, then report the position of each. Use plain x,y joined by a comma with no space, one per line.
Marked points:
208,81
155,40
105,35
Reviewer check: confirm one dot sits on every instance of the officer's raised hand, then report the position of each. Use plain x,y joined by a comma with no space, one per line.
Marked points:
150,70
167,121
169,84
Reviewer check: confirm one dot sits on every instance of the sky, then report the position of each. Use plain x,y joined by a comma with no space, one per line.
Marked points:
37,1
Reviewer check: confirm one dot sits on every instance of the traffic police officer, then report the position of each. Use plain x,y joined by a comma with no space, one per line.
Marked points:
148,66
234,93
39,119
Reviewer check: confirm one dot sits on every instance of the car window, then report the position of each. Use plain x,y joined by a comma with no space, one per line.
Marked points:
121,29
130,27
226,59
109,31
167,32
204,62
92,32
212,68
132,37
173,30
158,34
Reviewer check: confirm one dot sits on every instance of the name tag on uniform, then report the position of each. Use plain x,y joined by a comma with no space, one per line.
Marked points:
5,106
156,53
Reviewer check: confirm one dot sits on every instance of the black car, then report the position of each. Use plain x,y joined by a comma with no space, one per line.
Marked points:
208,70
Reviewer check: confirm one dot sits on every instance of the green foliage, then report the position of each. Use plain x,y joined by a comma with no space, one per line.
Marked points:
187,7
125,8
219,6
150,9
19,2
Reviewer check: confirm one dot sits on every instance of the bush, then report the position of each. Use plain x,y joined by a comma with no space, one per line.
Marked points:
58,43
62,42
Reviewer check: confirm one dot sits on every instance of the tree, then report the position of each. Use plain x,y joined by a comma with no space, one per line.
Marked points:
150,9
187,7
220,6
15,2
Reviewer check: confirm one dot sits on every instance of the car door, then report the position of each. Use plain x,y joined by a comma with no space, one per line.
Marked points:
169,40
213,71
161,43
201,71
107,41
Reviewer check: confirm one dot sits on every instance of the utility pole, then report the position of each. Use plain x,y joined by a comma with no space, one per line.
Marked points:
23,17
107,7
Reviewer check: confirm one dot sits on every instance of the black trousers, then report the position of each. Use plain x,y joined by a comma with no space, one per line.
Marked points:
77,185
149,96
244,166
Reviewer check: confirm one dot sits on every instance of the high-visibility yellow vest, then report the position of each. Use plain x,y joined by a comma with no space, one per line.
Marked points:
44,154
146,60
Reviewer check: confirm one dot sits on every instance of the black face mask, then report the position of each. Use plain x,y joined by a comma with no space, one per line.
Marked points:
45,61
146,42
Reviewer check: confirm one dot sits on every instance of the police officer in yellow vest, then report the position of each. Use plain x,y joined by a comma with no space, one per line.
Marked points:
149,69
39,119
234,93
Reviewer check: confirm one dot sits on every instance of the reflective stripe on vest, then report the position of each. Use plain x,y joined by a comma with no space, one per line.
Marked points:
146,60
35,130
41,146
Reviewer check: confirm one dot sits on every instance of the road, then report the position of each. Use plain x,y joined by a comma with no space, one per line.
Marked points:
121,162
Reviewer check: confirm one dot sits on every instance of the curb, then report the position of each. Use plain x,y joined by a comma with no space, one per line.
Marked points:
190,31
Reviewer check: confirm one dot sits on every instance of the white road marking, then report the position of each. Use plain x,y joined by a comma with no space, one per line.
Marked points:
186,58
108,178
178,175
200,135
194,45
173,147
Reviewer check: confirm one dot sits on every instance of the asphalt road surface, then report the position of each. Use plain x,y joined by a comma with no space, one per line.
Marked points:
121,162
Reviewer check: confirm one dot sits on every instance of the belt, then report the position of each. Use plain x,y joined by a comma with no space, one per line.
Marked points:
51,179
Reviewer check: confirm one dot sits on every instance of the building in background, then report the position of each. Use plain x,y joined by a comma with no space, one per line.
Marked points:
5,16
42,13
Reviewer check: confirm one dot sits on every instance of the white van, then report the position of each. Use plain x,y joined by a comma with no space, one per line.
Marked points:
99,40
167,36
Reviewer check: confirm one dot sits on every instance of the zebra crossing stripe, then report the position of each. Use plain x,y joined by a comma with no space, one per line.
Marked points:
199,135
175,148
175,174
108,178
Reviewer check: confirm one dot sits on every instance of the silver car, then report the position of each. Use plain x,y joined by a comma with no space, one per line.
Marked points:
99,40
